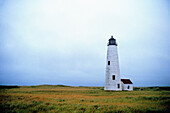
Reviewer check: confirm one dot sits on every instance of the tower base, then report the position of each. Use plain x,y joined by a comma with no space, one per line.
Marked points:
112,89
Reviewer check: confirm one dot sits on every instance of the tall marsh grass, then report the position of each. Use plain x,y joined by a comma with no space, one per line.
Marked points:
67,99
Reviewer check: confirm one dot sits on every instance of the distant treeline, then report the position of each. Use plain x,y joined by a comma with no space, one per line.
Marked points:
156,88
8,87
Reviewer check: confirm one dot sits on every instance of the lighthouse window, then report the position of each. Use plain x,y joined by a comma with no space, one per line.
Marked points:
128,87
118,85
108,62
113,77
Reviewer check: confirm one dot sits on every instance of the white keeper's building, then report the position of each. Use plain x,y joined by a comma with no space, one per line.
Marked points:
112,78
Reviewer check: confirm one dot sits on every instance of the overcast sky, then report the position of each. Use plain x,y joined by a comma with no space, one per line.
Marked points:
65,41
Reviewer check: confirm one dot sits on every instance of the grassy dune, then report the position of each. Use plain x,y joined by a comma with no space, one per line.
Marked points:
47,98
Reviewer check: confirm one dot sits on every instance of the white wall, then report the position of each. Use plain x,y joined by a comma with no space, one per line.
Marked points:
112,69
125,87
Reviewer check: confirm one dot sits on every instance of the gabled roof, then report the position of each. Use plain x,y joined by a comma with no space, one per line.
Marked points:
126,81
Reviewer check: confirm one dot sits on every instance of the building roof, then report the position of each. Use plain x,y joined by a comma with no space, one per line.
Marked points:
126,81
112,38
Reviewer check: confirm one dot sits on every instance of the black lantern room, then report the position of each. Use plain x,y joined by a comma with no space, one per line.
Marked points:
112,41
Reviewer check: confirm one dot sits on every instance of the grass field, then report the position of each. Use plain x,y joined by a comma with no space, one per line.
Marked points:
48,98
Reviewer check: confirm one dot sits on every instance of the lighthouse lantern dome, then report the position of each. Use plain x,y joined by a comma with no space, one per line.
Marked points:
112,41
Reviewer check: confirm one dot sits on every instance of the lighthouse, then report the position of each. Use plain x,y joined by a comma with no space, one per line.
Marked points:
112,77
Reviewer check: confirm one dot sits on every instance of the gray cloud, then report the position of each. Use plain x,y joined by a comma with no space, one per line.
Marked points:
64,42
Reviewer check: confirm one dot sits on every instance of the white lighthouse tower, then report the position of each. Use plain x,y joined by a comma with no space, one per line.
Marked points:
112,80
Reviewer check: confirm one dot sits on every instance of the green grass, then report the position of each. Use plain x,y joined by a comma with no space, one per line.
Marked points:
66,99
